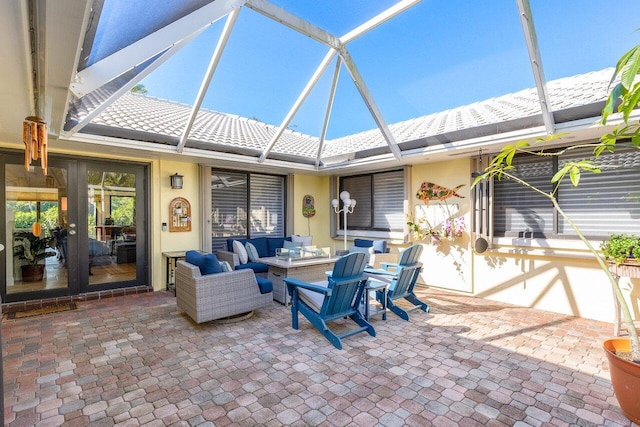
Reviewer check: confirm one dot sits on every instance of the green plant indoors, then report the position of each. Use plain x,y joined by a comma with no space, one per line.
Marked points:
627,93
620,248
31,248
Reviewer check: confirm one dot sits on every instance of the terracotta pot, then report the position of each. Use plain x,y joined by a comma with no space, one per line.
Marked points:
625,378
32,273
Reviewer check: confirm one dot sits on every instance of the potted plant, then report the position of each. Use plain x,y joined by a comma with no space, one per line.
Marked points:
623,354
31,249
621,248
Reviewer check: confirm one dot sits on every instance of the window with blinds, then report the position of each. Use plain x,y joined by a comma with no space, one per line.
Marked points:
245,205
603,203
380,201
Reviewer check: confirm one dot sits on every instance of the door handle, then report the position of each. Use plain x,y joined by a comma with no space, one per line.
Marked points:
72,232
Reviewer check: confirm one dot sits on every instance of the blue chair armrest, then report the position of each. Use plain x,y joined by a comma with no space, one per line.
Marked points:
379,271
387,265
292,282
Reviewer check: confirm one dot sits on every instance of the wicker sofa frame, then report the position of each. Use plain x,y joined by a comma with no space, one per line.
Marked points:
216,296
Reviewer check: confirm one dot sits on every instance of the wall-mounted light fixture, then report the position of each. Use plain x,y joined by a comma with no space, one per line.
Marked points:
348,204
176,181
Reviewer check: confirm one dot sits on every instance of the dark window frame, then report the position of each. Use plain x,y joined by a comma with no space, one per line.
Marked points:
371,203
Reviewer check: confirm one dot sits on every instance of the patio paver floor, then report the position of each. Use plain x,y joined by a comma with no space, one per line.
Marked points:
136,360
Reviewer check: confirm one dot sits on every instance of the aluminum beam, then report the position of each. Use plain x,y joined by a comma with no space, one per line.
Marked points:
379,19
104,71
371,105
296,106
327,115
204,86
295,23
526,19
124,89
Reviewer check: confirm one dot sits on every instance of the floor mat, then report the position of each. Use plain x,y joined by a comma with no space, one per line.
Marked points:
40,311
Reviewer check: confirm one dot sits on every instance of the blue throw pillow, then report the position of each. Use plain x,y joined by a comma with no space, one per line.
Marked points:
207,263
261,245
363,243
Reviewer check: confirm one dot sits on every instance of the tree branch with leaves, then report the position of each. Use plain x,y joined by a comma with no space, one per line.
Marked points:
624,98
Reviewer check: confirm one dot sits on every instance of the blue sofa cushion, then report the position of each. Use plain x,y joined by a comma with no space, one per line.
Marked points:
207,263
230,243
266,246
265,285
261,246
257,267
274,243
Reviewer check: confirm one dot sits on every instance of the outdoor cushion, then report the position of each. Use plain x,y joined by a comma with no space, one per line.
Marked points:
252,252
313,299
304,240
226,267
274,243
265,285
207,263
239,249
379,246
230,243
257,267
260,244
368,251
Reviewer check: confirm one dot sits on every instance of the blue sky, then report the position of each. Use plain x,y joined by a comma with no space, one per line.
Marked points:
435,56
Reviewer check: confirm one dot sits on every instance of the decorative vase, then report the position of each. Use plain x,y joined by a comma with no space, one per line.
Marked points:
32,273
625,378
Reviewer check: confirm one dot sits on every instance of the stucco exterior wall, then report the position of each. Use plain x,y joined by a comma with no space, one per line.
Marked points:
448,264
553,275
318,225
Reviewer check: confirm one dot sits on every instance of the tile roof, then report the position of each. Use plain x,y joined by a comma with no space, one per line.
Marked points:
214,130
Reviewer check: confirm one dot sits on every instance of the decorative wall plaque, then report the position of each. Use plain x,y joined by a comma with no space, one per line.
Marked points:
180,215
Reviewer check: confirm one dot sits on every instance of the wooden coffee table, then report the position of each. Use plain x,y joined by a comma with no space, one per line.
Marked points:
309,270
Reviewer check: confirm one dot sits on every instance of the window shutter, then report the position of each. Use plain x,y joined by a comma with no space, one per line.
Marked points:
267,205
518,210
602,204
388,201
359,187
606,202
228,207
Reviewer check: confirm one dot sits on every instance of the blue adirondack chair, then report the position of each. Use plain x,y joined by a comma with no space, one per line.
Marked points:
401,277
337,298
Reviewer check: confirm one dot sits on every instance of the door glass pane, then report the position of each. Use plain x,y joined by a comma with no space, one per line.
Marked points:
111,219
35,215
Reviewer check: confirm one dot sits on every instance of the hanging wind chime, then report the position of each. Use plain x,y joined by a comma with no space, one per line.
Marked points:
34,136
